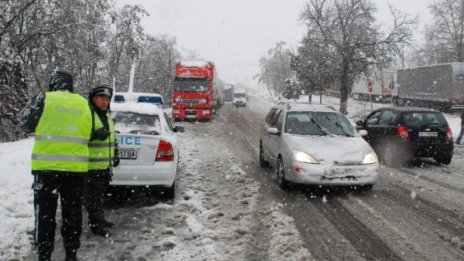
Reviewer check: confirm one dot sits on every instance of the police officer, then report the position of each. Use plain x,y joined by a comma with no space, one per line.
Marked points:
62,122
103,156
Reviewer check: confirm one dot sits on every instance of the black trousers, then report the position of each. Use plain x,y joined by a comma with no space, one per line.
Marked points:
95,185
48,187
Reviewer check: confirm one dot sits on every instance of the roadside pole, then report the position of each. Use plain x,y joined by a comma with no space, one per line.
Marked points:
369,88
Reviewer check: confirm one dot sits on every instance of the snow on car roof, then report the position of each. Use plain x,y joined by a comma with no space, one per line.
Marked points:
306,106
142,108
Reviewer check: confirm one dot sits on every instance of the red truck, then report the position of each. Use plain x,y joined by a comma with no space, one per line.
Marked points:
195,94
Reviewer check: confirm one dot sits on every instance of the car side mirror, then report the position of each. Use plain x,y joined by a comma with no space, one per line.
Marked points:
179,129
362,133
273,131
360,123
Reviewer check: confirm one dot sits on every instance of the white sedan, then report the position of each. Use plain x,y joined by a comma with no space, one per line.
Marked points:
148,147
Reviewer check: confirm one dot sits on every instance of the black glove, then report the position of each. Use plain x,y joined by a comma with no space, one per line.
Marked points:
116,159
100,134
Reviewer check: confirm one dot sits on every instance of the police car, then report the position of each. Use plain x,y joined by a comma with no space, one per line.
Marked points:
138,97
148,146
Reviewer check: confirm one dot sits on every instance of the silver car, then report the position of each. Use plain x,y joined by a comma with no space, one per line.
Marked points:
315,144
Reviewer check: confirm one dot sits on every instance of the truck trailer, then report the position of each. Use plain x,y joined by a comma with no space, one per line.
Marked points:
195,93
439,86
377,87
228,92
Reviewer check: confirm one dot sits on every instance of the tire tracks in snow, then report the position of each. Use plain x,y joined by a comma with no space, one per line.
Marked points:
359,242
421,176
269,222
417,228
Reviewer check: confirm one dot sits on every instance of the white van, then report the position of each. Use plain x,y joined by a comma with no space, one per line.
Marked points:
239,98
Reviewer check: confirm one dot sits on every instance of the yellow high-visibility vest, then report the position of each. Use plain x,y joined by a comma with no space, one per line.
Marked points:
63,133
101,152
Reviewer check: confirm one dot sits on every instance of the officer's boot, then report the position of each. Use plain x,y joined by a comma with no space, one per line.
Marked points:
45,256
99,229
107,223
71,255
45,253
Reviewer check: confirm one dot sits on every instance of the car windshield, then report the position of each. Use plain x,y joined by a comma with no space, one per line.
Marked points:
423,119
184,84
239,95
318,123
130,122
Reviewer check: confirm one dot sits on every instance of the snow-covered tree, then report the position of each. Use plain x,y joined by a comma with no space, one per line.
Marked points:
155,70
313,65
90,39
347,32
124,43
13,83
276,68
444,38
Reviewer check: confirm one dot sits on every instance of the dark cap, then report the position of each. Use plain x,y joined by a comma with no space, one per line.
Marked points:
61,80
101,90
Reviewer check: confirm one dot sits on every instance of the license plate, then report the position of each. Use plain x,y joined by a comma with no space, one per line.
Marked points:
127,154
428,134
337,172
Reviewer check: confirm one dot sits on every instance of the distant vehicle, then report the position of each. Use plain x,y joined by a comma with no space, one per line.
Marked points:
228,92
377,87
439,86
137,97
315,144
196,92
400,134
240,98
148,147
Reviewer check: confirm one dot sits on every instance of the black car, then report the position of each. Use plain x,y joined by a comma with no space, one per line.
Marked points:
399,134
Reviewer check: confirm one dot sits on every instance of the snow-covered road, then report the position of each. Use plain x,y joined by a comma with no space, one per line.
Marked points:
228,208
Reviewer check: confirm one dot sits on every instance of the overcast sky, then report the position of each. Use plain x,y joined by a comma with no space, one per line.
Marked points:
235,34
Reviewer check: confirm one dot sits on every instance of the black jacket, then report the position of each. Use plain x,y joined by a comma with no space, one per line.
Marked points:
30,115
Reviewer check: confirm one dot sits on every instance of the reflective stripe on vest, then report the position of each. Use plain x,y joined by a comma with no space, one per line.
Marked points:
101,152
102,145
62,134
65,139
67,158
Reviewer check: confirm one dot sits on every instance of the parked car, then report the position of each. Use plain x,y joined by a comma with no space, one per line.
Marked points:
148,147
315,144
399,134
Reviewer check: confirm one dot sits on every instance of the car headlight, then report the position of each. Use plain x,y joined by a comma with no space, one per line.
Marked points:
304,157
370,158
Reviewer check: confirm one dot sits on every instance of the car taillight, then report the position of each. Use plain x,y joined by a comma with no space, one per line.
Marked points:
449,134
402,132
165,151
